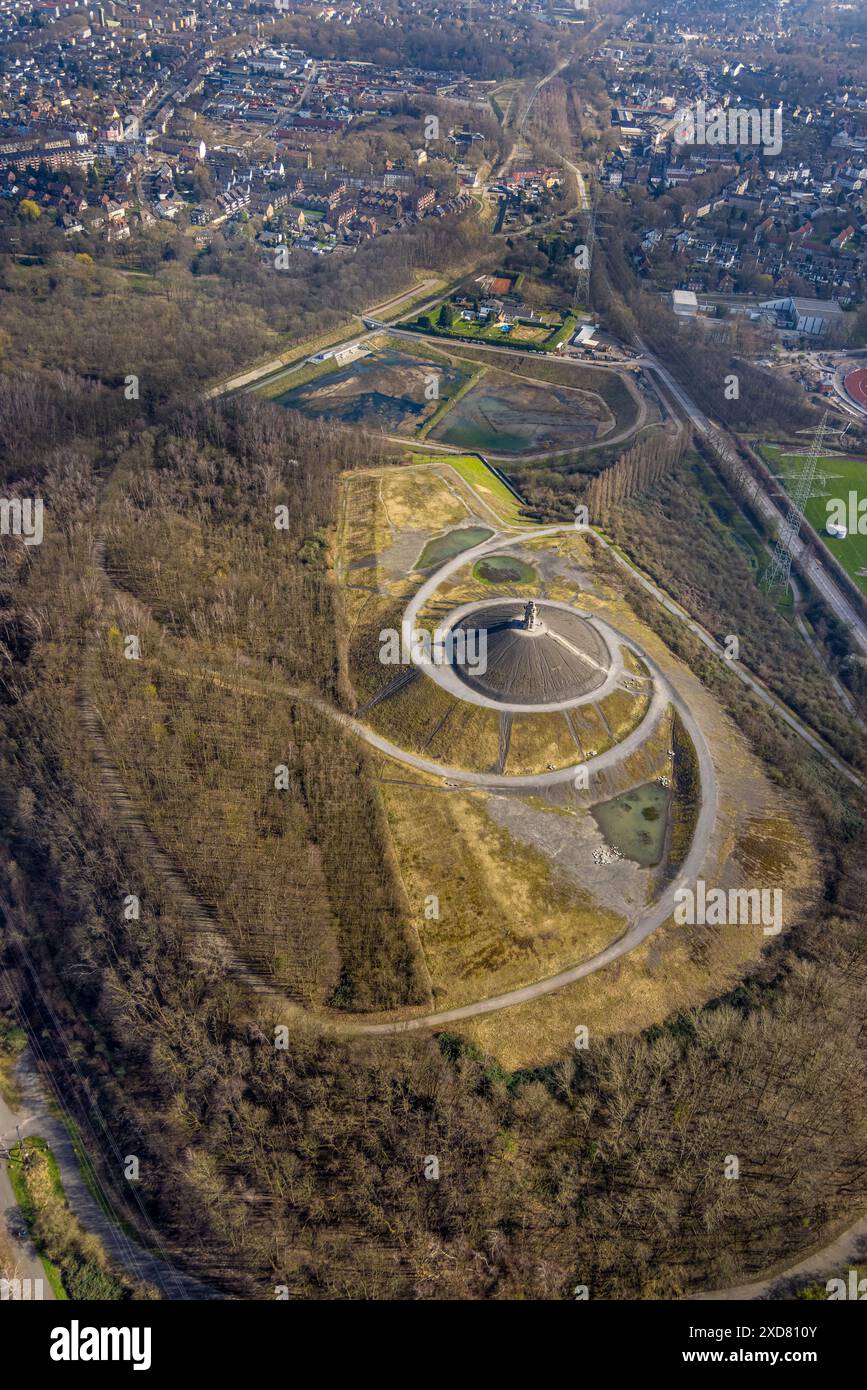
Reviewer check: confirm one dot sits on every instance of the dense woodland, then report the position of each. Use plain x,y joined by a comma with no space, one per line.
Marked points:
196,318
488,48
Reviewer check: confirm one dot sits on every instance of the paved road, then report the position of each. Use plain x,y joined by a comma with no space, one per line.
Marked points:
579,179
846,1252
611,670
660,911
27,1263
311,78
850,1247
36,1118
625,366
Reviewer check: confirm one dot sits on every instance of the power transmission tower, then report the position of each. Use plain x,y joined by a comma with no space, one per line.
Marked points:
780,567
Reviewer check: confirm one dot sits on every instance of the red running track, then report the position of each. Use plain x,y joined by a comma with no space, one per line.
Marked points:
856,386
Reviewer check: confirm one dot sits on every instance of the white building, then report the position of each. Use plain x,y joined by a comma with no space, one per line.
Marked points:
684,303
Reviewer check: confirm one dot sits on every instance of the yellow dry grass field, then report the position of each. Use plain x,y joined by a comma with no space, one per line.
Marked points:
367,673
622,712
424,718
539,742
448,597
363,532
674,970
353,602
420,498
506,918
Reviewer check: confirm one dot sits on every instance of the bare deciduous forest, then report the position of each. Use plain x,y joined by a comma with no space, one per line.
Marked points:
194,321
305,1166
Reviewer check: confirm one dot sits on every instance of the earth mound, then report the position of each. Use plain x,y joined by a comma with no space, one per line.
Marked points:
536,654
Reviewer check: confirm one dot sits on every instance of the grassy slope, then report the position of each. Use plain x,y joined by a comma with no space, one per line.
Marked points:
483,481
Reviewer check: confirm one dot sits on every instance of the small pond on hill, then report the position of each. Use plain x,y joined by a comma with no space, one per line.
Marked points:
442,548
635,823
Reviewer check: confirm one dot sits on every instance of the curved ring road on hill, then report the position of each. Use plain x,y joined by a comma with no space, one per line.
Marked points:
653,918
649,920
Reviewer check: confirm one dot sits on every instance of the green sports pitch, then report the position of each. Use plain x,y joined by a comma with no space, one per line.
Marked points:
841,479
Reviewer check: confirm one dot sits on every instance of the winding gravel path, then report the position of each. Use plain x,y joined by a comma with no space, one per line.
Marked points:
642,927
646,922
821,578
847,1251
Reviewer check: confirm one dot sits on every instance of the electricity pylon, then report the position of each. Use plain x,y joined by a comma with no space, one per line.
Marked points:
780,567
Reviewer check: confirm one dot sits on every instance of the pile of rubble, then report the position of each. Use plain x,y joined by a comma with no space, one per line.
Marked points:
606,854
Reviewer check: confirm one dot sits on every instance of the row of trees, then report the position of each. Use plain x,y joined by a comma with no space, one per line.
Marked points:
678,530
635,471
